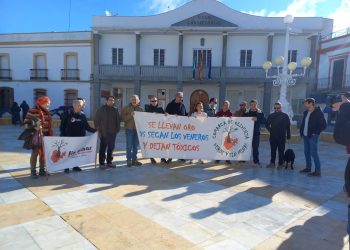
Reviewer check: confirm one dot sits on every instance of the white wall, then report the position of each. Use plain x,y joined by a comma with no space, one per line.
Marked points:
168,42
300,43
21,59
55,90
125,41
213,42
237,43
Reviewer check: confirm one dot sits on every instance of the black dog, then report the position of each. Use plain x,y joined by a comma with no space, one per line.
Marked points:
289,156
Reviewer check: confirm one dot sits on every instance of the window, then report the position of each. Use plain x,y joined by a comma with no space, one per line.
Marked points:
202,41
70,71
38,93
158,57
246,58
117,56
69,96
5,72
292,56
202,56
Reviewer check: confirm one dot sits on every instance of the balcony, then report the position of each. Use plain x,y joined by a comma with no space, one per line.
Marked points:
169,73
325,83
5,74
38,74
70,74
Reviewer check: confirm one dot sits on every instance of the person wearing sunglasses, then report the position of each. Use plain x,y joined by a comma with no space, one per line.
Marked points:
278,124
154,108
242,109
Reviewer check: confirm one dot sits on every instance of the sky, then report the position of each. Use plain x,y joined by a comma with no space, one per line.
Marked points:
25,16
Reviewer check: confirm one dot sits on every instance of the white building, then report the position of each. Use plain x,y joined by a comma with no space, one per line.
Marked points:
156,55
55,64
334,63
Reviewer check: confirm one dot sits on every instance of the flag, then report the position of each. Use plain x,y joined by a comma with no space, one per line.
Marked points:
200,66
209,70
194,65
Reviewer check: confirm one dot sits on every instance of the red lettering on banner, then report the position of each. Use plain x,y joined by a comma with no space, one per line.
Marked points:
168,125
151,124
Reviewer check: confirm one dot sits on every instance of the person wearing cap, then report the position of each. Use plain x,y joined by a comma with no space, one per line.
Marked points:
210,108
39,118
176,107
312,125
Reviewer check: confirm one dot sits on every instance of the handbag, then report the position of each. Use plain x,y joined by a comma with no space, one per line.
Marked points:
27,137
37,138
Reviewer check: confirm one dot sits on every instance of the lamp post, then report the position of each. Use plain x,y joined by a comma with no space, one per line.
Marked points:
283,78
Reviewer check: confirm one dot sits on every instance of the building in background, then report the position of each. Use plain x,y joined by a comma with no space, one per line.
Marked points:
204,49
56,64
333,69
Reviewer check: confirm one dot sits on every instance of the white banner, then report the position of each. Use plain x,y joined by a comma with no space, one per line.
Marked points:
69,152
194,138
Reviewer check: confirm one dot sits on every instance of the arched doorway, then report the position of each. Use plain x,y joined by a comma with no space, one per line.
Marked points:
198,95
6,99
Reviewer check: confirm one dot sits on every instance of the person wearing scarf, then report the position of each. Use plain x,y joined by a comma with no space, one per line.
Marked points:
39,118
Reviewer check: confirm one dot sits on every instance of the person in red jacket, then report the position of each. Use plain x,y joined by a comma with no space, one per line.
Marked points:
225,112
40,119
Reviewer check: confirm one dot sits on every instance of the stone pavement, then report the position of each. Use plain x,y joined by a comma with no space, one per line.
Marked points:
176,206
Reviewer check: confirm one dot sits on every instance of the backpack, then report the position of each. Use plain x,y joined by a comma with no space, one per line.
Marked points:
342,125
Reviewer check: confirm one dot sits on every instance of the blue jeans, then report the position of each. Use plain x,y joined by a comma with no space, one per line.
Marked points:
132,143
255,146
310,150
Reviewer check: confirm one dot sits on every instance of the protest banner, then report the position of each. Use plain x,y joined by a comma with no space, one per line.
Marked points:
182,137
68,152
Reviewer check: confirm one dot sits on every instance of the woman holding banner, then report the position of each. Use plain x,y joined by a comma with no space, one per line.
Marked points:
39,119
199,113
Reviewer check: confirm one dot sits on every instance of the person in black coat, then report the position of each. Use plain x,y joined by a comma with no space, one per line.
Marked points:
312,125
259,119
25,107
154,108
176,107
278,124
15,111
75,124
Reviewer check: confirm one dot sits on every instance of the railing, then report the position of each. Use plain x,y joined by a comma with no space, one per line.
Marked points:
215,73
159,73
5,74
122,72
70,74
38,74
325,83
335,34
169,73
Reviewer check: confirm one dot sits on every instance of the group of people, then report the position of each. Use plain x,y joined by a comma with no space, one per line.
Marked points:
108,118
16,112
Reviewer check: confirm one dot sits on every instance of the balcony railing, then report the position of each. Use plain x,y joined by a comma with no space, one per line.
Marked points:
5,74
325,83
38,74
159,73
169,73
70,74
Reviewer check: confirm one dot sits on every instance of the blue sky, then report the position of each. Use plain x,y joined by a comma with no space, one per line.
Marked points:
19,16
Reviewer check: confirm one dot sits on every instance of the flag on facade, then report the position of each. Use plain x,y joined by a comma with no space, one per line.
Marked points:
194,65
209,70
200,66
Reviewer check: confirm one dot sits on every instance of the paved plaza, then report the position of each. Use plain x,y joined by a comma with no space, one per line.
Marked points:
175,206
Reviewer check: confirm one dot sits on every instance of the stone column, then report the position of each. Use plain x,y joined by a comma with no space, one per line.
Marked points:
179,84
268,84
222,91
96,88
137,83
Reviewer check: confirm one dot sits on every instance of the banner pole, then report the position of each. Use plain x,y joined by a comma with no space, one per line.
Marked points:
96,150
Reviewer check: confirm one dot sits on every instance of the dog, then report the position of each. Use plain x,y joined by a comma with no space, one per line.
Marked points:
289,157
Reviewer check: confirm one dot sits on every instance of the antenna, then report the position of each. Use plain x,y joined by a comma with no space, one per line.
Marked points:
70,5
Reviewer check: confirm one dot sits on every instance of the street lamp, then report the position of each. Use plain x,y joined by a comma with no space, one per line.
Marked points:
283,78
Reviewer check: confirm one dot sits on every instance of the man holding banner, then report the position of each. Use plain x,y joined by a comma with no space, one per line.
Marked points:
75,124
107,123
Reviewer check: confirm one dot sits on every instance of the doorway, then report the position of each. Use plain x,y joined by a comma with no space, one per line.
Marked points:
198,95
